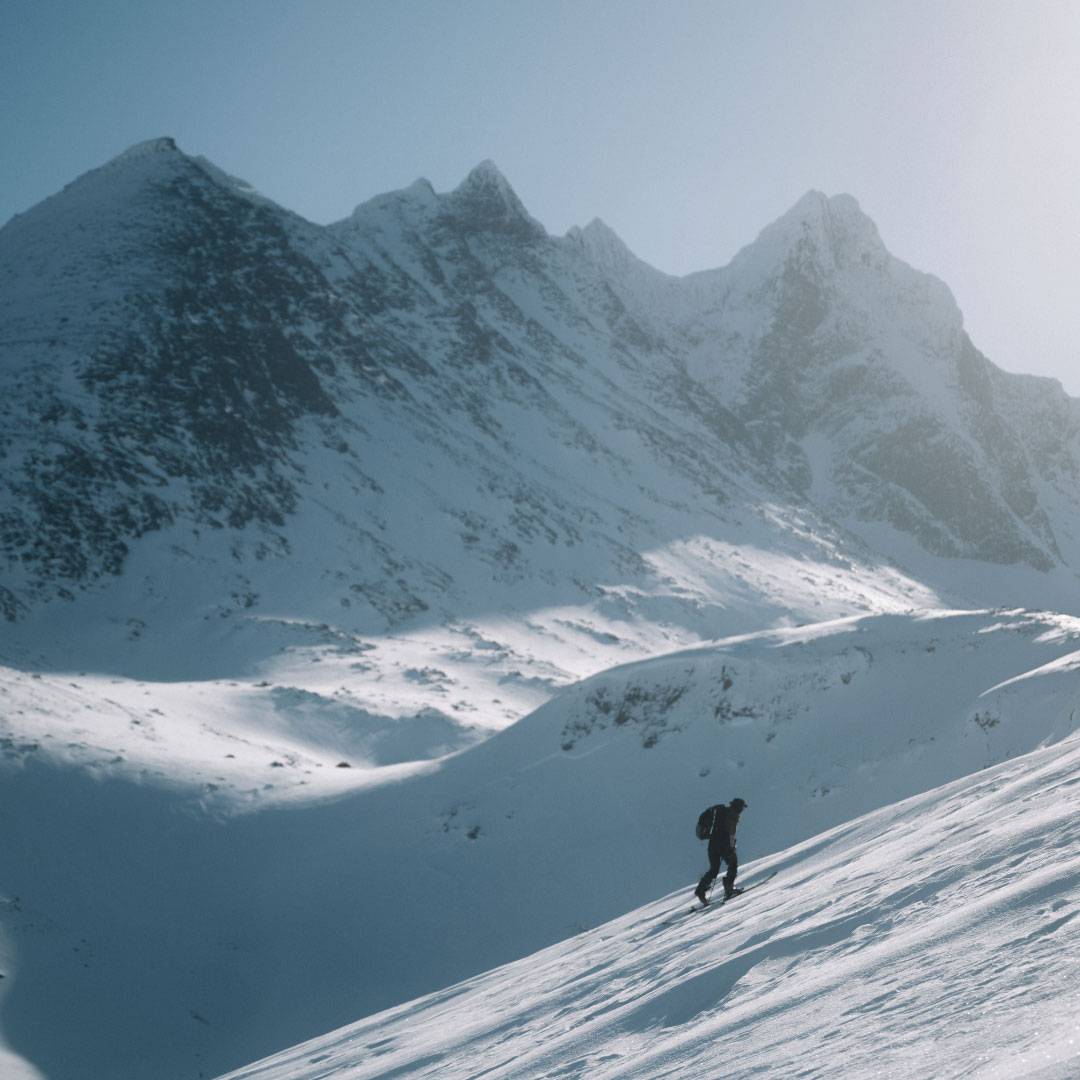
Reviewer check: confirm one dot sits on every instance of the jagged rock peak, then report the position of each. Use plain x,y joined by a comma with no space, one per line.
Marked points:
828,230
829,239
418,196
600,238
487,179
151,155
421,189
485,201
111,185
163,145
605,248
162,149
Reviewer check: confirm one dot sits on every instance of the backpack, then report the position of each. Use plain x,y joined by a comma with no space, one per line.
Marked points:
705,822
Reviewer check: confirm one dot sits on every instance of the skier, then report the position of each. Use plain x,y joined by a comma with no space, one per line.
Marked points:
725,819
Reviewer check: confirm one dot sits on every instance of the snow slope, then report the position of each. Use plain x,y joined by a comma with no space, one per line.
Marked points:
174,934
935,937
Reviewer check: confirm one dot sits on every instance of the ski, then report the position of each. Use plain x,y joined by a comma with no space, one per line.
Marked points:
734,896
718,903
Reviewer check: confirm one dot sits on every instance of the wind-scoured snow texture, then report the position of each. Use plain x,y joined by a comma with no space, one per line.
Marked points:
937,937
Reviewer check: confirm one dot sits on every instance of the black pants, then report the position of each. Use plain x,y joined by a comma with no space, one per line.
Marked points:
720,851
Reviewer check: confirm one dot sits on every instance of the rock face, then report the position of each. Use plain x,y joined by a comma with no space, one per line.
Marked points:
467,400
152,367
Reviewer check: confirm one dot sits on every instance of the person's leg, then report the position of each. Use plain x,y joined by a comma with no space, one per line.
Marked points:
732,861
705,884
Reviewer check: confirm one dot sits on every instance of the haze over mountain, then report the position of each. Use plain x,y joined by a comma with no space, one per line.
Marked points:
514,526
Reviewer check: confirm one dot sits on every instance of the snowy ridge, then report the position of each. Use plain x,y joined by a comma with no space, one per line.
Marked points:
148,148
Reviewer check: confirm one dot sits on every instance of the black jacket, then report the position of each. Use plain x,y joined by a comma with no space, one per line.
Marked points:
725,822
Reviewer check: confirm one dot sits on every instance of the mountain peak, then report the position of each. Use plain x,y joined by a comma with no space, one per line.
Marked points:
94,196
487,173
418,197
147,148
485,202
830,230
421,189
149,156
163,150
601,241
830,239
606,249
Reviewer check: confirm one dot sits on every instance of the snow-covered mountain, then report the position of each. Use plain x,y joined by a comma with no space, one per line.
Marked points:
387,596
433,410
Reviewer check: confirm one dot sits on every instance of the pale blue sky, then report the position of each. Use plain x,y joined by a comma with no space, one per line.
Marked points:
686,125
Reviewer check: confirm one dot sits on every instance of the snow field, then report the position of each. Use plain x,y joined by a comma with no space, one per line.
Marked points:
352,890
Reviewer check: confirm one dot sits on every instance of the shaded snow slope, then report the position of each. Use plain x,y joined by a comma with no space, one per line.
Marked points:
328,910
935,937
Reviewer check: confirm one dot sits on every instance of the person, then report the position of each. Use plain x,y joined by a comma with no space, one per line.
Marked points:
722,850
